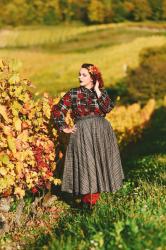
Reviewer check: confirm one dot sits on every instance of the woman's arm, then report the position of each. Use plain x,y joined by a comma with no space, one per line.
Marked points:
59,111
104,101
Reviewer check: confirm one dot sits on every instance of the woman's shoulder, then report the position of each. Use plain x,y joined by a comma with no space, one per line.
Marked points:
74,90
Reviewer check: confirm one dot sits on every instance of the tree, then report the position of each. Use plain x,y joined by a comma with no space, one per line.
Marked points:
156,7
164,10
119,12
148,80
48,12
108,17
78,9
15,12
141,10
96,11
53,12
129,8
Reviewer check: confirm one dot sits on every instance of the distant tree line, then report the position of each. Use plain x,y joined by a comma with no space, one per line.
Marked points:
50,12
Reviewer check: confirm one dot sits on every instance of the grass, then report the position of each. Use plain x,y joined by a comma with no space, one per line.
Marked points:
52,63
135,216
30,36
132,218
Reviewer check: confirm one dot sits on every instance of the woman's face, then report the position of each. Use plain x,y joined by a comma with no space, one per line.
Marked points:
85,78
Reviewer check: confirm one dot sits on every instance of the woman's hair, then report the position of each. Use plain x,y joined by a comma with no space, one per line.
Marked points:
94,73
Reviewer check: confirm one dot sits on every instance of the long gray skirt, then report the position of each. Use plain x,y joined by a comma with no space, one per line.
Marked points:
92,160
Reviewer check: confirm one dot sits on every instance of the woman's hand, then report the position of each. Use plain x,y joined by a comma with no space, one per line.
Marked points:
96,88
70,130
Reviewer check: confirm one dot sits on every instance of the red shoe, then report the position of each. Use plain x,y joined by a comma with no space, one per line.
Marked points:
90,198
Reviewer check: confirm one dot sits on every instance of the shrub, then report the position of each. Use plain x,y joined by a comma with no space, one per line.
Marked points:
26,145
149,79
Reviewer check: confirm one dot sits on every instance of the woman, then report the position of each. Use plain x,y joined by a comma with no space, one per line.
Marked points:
92,159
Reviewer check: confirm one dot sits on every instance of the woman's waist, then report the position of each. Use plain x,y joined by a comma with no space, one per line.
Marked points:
88,116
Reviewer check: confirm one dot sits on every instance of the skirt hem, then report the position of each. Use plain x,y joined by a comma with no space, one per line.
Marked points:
95,191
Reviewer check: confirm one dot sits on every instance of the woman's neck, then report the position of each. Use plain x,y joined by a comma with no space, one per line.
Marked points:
89,86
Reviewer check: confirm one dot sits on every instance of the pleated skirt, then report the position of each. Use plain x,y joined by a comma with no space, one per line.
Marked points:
92,160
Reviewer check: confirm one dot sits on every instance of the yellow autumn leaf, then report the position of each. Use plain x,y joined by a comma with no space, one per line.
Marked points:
57,181
17,124
30,185
16,105
3,171
31,114
3,112
10,165
19,167
11,143
32,163
7,130
14,111
19,191
24,97
46,110
18,90
21,156
14,79
23,136
12,173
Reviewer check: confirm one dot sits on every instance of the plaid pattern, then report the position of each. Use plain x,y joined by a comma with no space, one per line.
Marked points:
92,160
82,102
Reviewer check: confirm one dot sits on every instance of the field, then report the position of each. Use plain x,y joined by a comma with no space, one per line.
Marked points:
134,218
52,60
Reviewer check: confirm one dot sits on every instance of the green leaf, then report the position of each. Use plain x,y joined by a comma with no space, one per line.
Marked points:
4,159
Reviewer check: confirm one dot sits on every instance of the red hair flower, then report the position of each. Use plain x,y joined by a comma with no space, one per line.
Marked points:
93,70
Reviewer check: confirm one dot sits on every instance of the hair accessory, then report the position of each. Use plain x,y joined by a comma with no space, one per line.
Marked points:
93,70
